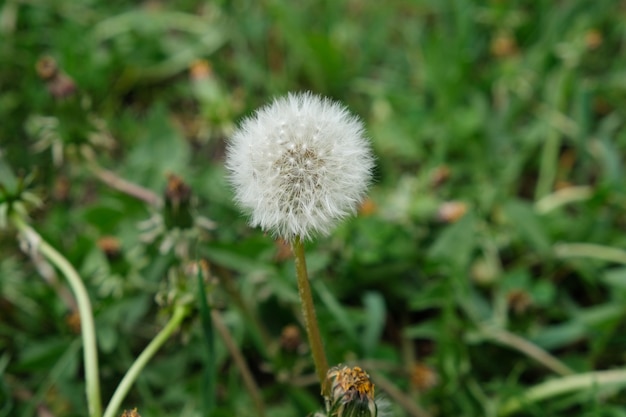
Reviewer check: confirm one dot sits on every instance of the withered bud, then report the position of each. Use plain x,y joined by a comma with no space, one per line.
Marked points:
601,106
130,413
177,192
451,211
519,301
423,377
367,207
46,68
111,247
290,338
440,175
177,212
200,70
61,190
59,85
503,46
351,392
193,268
593,39
73,322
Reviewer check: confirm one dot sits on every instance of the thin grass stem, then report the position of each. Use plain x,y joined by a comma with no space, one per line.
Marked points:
240,362
258,329
531,350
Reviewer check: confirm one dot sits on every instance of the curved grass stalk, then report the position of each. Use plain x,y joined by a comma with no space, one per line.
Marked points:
87,325
506,338
552,388
180,312
563,197
590,250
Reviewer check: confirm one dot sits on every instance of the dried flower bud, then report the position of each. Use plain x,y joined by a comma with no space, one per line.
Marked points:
351,393
593,39
59,85
299,165
177,211
440,175
519,301
73,321
423,377
46,68
130,413
451,211
202,268
110,245
61,190
503,46
290,338
367,207
200,70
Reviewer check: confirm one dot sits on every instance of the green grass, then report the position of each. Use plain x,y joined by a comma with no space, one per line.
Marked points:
504,107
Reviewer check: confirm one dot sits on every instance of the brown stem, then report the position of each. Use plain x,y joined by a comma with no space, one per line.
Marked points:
240,362
259,331
120,184
308,312
398,396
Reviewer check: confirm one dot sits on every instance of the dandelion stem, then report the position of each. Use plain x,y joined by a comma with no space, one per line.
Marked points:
564,385
308,312
180,312
87,325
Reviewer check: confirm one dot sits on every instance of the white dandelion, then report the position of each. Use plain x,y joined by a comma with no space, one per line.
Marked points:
299,165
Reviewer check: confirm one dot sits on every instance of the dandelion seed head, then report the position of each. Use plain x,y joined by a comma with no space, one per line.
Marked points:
299,165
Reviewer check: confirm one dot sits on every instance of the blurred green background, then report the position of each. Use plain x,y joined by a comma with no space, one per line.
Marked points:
494,230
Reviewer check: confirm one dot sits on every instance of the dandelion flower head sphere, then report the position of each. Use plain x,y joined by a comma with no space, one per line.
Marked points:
299,165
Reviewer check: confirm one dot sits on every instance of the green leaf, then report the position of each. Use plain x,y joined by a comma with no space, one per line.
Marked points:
615,278
429,330
375,315
456,243
432,295
209,377
336,309
561,335
525,221
43,354
236,260
160,150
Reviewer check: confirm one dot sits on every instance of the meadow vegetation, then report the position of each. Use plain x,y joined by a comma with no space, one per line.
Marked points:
484,275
